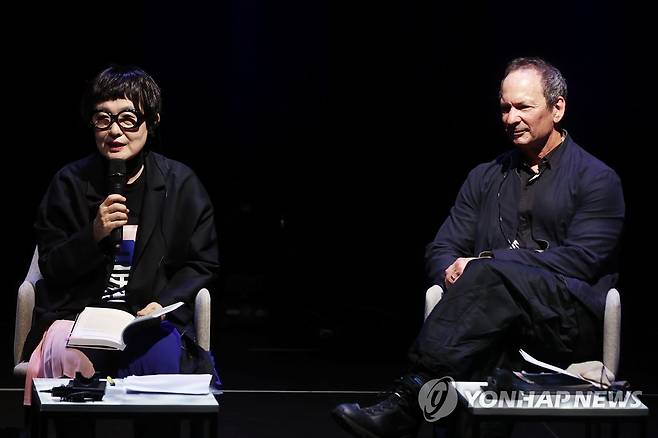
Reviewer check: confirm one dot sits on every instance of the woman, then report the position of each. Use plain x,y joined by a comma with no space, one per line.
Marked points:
167,253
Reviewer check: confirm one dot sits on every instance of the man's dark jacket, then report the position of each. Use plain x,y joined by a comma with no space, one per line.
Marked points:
578,213
175,251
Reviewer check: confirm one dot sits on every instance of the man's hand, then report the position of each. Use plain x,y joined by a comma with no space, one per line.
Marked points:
454,271
112,213
150,308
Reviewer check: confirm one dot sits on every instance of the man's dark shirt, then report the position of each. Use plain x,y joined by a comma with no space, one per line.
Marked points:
530,180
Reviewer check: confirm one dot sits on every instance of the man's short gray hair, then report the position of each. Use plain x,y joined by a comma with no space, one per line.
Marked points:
552,80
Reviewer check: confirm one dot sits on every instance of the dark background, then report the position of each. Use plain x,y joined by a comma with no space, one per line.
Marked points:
333,139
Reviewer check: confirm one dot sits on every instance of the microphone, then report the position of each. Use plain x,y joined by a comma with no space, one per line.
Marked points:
116,178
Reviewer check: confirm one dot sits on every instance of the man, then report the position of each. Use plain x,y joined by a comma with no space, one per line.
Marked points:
526,256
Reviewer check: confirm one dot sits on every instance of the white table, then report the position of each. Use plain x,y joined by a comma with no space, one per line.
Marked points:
593,408
119,403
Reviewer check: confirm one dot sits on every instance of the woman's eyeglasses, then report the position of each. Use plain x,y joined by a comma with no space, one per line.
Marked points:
128,120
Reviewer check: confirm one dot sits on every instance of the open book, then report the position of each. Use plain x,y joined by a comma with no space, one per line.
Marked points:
560,377
103,327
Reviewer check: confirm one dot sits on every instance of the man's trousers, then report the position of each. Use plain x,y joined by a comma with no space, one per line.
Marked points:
494,309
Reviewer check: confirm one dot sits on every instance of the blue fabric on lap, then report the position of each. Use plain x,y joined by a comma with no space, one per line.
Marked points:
154,350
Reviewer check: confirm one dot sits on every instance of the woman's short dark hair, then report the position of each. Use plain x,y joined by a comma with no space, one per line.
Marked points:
552,80
124,82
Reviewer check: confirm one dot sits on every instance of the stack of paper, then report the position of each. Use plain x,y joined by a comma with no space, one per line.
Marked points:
169,383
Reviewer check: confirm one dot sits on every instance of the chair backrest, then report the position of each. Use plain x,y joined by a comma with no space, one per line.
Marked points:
25,306
612,330
34,273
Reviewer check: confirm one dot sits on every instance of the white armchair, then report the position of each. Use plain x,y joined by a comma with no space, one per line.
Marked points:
25,307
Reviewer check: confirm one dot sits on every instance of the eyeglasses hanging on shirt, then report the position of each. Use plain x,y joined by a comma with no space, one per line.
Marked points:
543,164
532,177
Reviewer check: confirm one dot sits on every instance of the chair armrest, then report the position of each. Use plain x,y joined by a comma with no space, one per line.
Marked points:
432,297
202,311
612,330
24,309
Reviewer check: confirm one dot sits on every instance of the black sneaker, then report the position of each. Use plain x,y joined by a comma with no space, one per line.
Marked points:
397,416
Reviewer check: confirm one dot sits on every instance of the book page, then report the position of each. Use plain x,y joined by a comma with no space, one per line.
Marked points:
151,316
104,327
99,326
